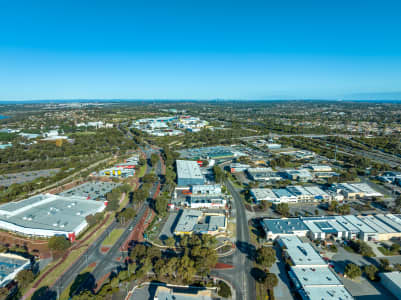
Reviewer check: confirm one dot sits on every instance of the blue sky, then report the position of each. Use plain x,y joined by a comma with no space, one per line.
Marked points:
200,49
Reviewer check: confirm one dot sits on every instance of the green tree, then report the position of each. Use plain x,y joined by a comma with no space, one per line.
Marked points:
370,271
353,271
170,242
271,281
224,290
385,264
3,293
149,178
58,243
123,275
24,278
154,159
283,209
266,256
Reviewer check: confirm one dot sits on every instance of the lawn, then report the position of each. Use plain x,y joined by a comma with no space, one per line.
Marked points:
141,171
113,237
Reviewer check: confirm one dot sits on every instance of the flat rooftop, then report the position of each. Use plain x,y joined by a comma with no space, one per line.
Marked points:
187,220
310,276
190,293
327,293
393,276
376,224
263,193
305,255
9,263
49,212
188,169
284,226
282,193
366,189
363,227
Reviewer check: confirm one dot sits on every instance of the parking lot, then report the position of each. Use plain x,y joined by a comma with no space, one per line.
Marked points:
168,227
16,178
95,190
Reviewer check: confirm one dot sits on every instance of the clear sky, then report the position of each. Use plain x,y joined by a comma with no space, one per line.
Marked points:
67,49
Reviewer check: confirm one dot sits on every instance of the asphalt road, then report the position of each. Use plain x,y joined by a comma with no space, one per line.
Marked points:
105,261
240,277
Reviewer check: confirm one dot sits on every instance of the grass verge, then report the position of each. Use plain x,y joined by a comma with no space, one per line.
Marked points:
113,237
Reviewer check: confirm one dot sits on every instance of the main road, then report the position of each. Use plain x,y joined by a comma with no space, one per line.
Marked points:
240,276
105,262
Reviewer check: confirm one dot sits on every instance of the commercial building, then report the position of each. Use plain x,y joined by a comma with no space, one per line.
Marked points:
275,228
373,227
353,191
215,152
272,146
284,196
194,221
47,215
392,282
310,274
300,254
325,292
237,167
299,175
263,174
10,266
263,194
367,190
166,293
189,173
320,168
206,189
205,202
290,194
118,172
317,193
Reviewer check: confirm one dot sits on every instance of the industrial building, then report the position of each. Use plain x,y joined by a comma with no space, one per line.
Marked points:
300,254
10,266
194,221
205,202
290,194
373,227
215,152
206,189
353,191
275,228
320,168
263,174
237,167
95,190
392,282
189,173
310,274
47,215
314,193
284,196
299,175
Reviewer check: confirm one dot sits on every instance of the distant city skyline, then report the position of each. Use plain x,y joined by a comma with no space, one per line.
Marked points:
241,50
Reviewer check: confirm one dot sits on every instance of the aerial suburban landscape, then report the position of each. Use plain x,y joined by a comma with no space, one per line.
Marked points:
210,200
200,150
